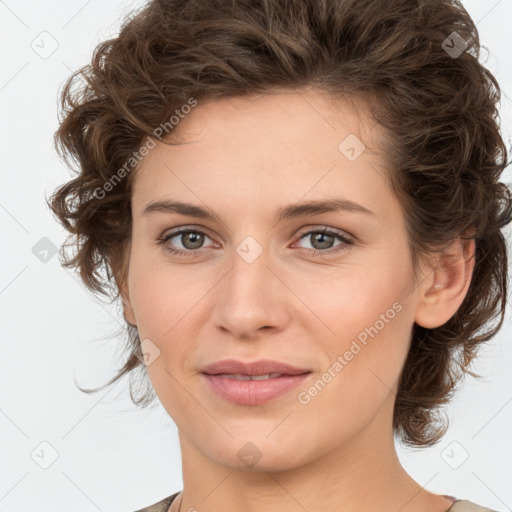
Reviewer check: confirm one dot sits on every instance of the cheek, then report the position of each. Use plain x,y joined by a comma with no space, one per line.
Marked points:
163,303
161,297
367,319
363,368
362,300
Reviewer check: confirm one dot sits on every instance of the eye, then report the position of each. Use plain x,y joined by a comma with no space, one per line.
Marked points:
322,241
192,241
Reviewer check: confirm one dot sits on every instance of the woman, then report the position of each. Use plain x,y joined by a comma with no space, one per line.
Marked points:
299,204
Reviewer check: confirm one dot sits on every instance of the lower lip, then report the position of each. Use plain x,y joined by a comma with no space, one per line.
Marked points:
254,392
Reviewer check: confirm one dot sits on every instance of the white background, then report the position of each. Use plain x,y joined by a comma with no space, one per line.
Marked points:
112,456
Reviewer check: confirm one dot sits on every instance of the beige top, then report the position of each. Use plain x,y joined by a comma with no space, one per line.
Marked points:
458,506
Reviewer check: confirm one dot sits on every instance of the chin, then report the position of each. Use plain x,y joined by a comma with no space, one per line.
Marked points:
258,453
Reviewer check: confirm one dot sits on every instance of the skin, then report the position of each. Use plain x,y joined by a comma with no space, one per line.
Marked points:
243,159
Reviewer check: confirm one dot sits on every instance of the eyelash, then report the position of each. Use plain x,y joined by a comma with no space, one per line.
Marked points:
309,252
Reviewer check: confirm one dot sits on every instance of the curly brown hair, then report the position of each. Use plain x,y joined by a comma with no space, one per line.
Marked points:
416,63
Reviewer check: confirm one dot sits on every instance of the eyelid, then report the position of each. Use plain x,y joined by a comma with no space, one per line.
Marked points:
320,228
346,238
170,233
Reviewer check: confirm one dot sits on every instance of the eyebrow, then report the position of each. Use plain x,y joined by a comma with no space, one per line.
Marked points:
287,212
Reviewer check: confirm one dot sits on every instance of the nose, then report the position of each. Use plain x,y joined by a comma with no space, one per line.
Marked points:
252,299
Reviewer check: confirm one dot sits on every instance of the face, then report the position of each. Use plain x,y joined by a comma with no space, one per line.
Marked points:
328,291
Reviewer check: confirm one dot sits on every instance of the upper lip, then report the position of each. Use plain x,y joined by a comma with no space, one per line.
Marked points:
260,367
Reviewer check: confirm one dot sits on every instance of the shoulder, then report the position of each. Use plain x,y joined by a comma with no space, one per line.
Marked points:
161,506
467,506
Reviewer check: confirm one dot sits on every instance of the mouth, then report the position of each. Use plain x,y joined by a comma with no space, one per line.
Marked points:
265,376
262,367
243,389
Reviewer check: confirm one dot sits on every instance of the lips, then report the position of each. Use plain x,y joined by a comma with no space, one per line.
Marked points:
248,369
253,383
240,376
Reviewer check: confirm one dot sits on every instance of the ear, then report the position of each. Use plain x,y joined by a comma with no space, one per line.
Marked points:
442,293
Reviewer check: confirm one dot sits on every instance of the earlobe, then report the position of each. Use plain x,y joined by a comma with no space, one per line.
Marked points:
442,294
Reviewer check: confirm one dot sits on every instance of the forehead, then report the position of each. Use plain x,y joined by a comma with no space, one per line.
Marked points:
277,117
286,142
